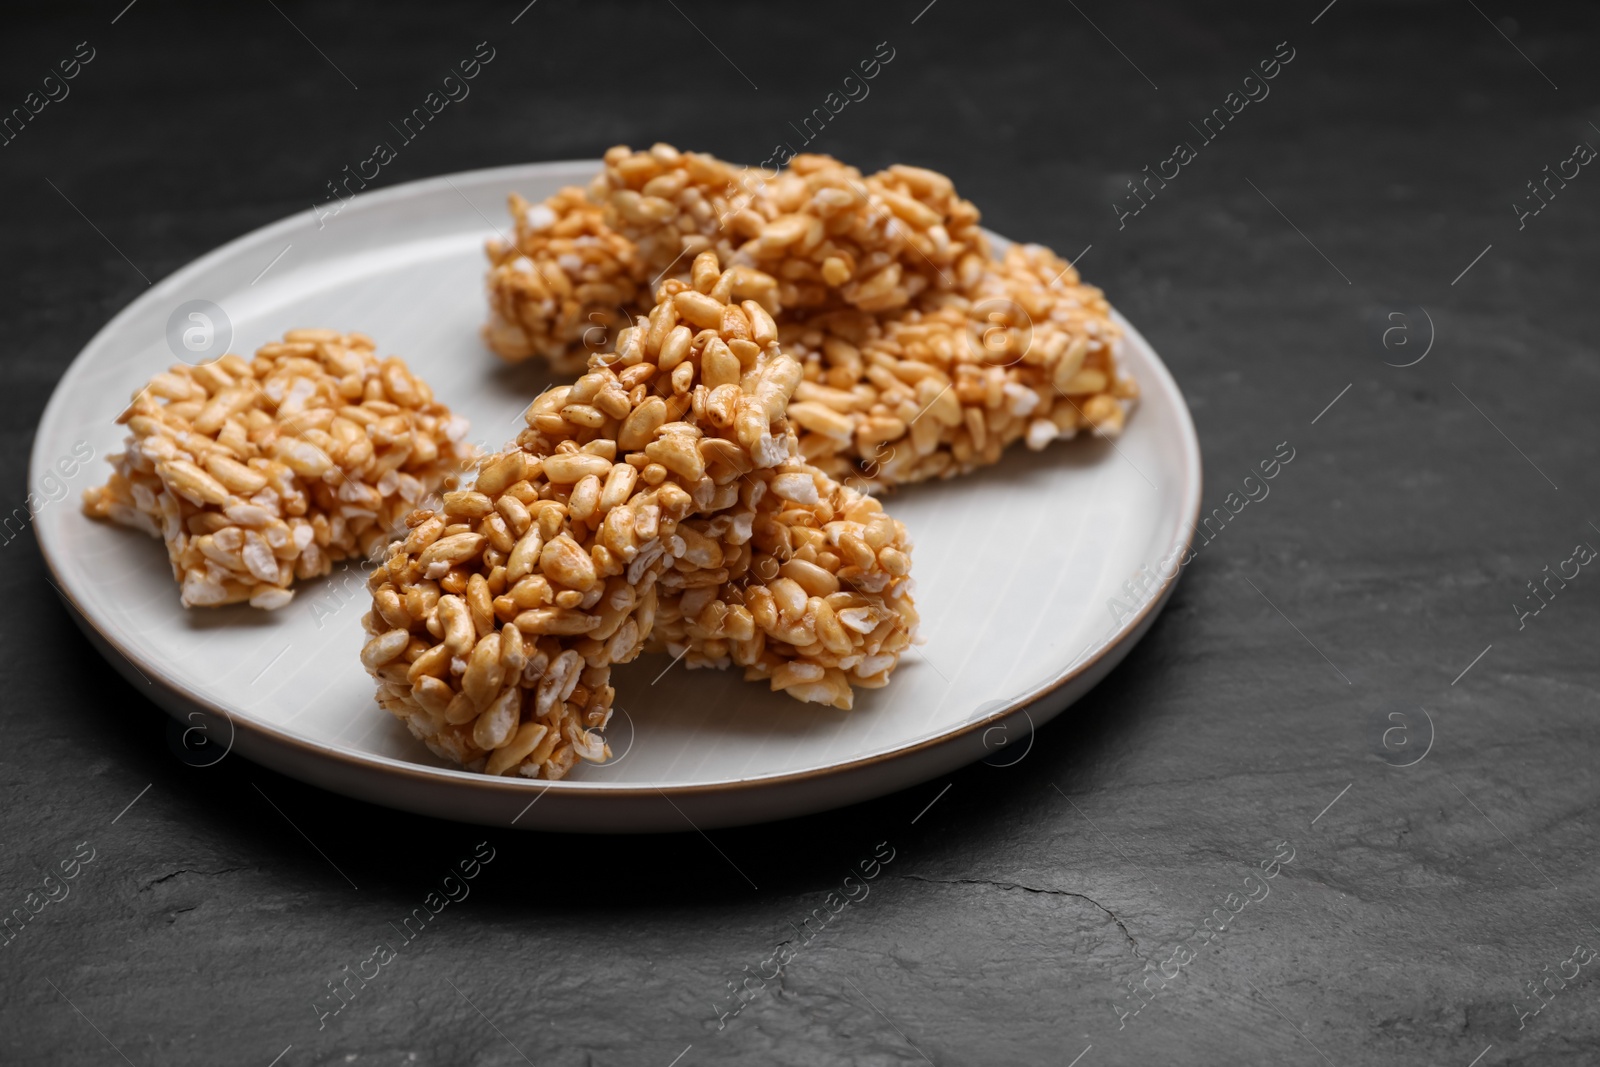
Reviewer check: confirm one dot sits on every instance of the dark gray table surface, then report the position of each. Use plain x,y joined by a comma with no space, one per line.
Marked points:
1307,692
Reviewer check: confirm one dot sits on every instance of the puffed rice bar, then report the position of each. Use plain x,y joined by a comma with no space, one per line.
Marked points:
943,387
495,624
822,231
888,292
814,590
260,472
829,235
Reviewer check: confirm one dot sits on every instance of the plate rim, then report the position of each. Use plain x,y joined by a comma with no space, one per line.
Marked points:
272,735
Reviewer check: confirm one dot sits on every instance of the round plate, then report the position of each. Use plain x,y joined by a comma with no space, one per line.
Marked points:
1020,569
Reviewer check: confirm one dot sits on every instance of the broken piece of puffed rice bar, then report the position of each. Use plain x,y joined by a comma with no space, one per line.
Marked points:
805,582
944,386
258,472
496,621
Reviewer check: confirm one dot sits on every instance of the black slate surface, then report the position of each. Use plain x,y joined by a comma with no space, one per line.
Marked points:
1414,908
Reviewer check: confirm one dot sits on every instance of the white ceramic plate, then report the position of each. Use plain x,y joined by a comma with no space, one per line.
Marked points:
1014,566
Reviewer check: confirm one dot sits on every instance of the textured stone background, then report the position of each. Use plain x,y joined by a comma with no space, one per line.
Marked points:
1016,913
